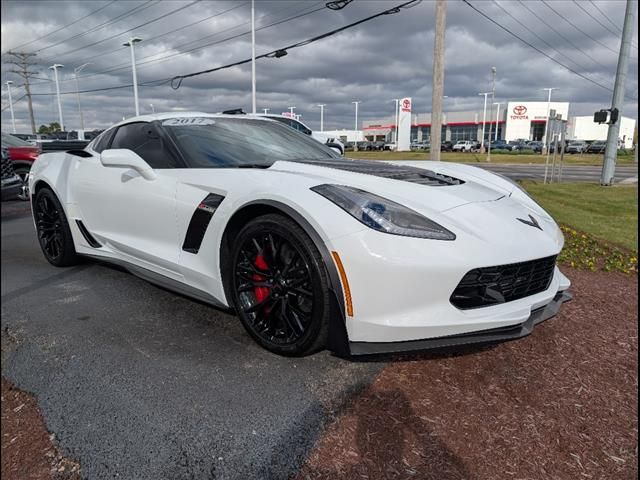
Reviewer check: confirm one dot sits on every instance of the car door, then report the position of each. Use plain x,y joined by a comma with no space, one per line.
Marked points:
129,214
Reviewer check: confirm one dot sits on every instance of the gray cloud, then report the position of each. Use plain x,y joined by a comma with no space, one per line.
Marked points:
384,59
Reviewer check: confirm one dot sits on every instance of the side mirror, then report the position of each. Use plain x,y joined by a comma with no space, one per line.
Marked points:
125,158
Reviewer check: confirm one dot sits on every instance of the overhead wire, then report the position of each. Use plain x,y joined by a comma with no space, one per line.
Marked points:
536,48
605,16
176,82
615,34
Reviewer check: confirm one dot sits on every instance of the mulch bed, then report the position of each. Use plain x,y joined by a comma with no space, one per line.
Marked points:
27,449
559,404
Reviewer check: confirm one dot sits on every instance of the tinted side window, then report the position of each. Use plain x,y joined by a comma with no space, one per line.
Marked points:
143,139
103,141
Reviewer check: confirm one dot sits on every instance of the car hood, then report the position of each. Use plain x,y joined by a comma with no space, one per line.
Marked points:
430,187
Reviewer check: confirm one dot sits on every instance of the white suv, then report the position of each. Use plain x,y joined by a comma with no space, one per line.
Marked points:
464,146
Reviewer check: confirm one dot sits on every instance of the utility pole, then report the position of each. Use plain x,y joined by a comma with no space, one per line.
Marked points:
322,105
55,68
484,119
497,118
23,63
546,135
438,80
13,118
253,57
493,98
611,151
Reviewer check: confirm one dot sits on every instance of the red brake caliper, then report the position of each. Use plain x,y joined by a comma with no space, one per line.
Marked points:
260,292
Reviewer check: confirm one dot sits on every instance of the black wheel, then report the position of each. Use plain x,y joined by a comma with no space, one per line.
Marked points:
280,286
53,230
23,173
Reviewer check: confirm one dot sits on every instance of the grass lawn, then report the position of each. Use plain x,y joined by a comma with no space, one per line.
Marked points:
586,159
608,213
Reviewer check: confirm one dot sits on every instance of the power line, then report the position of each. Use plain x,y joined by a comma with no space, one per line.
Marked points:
615,34
62,28
140,64
562,36
128,13
153,83
58,56
536,48
536,35
176,82
605,16
576,27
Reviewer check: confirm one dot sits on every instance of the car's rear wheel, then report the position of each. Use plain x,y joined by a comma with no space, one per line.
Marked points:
23,173
280,286
54,234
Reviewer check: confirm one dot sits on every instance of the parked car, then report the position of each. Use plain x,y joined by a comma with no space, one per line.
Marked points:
377,145
501,145
390,146
419,145
464,146
245,214
519,145
446,146
329,141
11,183
596,147
22,154
535,146
576,147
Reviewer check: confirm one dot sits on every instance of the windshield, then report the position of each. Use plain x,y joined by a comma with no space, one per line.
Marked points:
11,141
209,142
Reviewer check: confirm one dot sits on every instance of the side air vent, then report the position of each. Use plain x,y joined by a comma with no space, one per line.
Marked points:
199,222
87,236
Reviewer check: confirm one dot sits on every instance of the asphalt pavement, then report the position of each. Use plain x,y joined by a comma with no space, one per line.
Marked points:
137,382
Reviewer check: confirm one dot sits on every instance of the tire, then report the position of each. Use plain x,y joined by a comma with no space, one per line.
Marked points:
54,234
23,173
280,286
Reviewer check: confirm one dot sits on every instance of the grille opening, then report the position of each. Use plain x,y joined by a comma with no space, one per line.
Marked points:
486,286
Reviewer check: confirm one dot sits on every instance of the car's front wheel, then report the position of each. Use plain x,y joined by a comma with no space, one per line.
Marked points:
280,286
54,234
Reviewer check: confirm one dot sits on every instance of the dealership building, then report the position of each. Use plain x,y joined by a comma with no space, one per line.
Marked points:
513,121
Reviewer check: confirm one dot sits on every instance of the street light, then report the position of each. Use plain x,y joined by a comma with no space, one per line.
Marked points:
265,110
253,57
322,105
546,129
291,109
395,120
356,129
132,41
493,97
55,68
13,119
497,117
484,119
153,110
76,71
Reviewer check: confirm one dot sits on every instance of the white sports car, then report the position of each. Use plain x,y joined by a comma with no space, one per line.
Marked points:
310,249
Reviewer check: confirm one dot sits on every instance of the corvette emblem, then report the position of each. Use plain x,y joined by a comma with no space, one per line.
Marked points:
532,222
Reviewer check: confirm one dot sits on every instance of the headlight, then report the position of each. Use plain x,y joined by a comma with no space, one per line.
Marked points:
382,214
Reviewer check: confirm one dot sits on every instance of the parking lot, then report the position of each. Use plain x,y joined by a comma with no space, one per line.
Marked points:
138,382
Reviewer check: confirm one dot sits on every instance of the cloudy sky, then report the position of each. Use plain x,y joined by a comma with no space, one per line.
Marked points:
386,58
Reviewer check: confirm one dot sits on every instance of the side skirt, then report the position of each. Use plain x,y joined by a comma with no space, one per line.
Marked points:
164,282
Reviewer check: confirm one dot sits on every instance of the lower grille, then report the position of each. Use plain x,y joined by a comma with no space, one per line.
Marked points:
486,286
7,169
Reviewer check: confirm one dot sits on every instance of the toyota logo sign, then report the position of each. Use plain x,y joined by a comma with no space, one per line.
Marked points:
406,103
519,110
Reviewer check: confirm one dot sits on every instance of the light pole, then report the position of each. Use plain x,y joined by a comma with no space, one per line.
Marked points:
153,110
13,119
132,41
291,109
546,127
76,71
497,118
322,105
356,124
55,68
265,110
493,98
484,118
253,57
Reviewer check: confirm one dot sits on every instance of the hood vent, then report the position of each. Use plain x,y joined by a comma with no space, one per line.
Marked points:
387,170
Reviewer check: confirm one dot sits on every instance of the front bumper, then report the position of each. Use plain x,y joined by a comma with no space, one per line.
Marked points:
494,335
11,188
